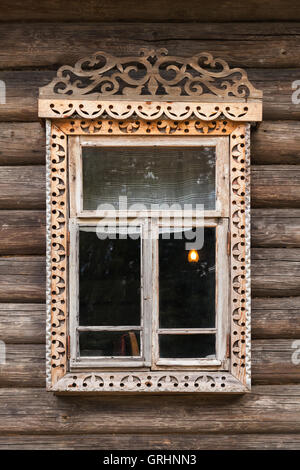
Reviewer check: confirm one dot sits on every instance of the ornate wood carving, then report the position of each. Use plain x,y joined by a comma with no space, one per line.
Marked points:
58,379
149,86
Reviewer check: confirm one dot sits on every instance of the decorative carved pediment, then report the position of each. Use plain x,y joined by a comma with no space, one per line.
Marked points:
153,74
151,85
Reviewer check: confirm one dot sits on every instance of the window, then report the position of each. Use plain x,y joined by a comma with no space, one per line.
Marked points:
148,254
139,299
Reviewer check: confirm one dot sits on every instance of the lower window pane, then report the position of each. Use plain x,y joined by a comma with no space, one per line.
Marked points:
109,343
187,346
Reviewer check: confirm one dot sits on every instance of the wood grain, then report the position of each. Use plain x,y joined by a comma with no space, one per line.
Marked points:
22,232
22,323
22,279
275,186
22,143
133,10
22,187
267,409
275,228
271,361
257,45
277,317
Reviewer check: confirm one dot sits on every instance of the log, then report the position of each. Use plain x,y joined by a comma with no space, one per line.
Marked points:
22,90
275,361
272,318
22,187
267,409
133,11
275,272
142,441
275,228
24,366
22,232
22,143
275,186
277,317
272,363
257,45
276,143
22,279
272,142
23,323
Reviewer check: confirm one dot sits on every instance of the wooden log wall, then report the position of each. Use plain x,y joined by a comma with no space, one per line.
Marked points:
36,37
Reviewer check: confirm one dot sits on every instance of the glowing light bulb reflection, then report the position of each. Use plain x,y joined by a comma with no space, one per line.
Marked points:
193,256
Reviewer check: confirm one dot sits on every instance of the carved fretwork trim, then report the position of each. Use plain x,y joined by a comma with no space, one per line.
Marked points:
150,86
152,74
58,379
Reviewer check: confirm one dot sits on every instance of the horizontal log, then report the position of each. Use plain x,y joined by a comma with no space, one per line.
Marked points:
275,272
133,11
22,232
275,186
22,187
141,441
24,366
22,91
258,45
275,228
274,361
272,142
22,323
277,317
272,318
22,279
22,143
276,143
272,186
267,409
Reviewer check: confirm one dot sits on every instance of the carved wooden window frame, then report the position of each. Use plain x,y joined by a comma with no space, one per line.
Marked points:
222,113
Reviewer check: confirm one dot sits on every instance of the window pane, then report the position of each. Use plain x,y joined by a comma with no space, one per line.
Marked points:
149,175
187,346
186,286
109,343
109,280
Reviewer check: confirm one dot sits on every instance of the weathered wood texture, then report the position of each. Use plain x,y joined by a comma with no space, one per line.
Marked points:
22,143
22,187
22,90
22,279
145,441
22,233
255,45
157,10
275,272
267,409
273,142
269,416
272,363
22,323
272,186
277,317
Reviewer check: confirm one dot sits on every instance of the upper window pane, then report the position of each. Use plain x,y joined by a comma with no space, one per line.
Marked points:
149,175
